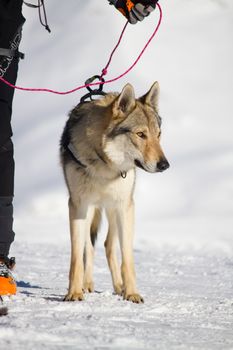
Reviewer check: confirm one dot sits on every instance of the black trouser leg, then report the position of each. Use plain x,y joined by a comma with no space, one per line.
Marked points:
6,223
6,161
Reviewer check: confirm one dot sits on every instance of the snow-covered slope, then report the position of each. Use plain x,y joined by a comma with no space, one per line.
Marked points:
184,222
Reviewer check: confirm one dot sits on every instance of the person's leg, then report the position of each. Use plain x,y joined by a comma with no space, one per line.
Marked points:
6,161
11,21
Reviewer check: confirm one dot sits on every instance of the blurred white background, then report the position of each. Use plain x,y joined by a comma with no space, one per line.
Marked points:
191,57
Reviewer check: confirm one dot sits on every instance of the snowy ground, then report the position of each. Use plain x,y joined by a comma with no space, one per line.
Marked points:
184,217
188,303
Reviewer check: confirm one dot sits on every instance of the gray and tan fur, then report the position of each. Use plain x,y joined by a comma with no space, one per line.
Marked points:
102,143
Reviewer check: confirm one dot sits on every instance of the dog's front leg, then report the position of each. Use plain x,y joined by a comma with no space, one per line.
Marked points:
125,220
78,228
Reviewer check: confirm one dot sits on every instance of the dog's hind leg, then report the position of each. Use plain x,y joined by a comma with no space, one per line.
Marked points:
88,284
79,227
125,221
110,248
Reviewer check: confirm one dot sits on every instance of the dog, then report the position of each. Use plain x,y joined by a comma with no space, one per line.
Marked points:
104,140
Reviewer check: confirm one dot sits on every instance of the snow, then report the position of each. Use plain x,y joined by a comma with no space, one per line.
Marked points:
188,303
184,221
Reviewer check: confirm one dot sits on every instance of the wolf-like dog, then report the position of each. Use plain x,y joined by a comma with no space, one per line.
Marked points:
104,140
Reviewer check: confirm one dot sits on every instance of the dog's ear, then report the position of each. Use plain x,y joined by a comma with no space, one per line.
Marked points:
125,102
152,96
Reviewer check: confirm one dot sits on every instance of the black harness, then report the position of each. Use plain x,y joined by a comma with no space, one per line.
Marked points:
93,92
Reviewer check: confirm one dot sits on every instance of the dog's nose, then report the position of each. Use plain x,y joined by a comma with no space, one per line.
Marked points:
162,165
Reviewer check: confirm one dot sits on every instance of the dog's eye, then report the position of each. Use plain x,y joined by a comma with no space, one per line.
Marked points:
159,135
141,135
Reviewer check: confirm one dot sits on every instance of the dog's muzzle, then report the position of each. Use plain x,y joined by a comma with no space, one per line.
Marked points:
162,165
159,167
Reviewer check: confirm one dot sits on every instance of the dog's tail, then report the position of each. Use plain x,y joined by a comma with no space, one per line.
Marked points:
95,225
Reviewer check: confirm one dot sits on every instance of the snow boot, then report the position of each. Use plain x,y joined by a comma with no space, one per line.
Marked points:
7,281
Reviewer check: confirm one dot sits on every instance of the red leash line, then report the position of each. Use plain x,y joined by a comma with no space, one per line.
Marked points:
104,71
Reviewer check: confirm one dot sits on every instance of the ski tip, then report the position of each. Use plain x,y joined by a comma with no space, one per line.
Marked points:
3,311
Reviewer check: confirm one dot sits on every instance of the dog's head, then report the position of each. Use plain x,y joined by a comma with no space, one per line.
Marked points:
134,131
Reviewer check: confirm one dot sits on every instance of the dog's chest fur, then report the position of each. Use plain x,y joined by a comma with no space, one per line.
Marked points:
100,191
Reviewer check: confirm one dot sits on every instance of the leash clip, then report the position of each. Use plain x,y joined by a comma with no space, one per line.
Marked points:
93,92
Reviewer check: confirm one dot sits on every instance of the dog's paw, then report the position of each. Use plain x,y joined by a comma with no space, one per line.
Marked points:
74,297
118,289
135,298
88,287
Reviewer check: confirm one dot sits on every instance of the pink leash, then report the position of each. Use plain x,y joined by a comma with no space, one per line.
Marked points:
104,71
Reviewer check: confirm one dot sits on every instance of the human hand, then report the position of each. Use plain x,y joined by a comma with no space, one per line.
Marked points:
135,10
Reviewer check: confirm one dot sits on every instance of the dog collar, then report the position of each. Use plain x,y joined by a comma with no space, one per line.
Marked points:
72,151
